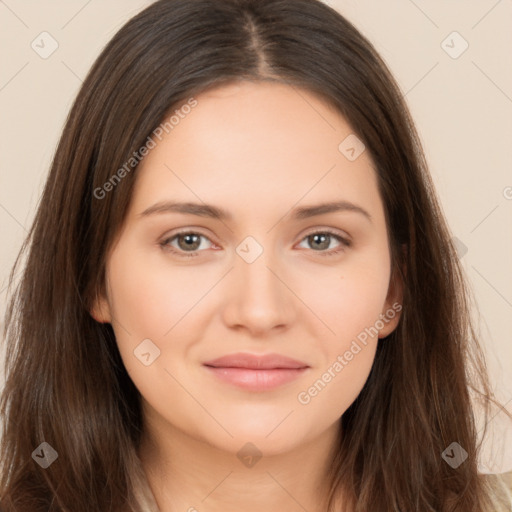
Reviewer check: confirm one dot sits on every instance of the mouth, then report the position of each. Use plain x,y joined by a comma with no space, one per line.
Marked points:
256,373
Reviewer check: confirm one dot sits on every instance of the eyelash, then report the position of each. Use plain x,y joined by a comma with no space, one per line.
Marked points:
333,252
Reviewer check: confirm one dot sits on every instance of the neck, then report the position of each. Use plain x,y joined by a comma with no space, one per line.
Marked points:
188,474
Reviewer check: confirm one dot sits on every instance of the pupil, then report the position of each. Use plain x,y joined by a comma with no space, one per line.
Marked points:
189,240
317,237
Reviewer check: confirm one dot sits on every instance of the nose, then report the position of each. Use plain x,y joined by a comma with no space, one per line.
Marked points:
258,297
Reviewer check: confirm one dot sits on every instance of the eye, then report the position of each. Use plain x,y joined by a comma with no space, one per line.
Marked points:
188,243
322,240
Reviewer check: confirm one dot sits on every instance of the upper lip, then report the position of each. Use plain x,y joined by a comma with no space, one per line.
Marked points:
256,362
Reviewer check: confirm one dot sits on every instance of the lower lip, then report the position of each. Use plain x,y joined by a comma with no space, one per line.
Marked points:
257,380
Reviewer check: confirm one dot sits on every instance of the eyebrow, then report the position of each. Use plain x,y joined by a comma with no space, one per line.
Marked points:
215,212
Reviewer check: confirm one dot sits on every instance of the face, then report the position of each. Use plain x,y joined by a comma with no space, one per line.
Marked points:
260,272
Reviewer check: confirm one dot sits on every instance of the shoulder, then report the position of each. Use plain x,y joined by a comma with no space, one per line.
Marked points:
501,485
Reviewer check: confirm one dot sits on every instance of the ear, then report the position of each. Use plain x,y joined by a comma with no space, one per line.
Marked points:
100,309
391,311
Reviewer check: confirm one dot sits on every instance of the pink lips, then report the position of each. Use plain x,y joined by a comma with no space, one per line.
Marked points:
256,373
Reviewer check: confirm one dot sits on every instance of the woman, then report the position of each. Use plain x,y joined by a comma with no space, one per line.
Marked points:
180,341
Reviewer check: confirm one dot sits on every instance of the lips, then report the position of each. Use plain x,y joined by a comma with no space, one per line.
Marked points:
256,362
256,373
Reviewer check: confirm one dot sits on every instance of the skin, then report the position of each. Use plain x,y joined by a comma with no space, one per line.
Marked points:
258,150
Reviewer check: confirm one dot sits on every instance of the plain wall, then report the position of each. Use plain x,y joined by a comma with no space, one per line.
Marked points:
462,105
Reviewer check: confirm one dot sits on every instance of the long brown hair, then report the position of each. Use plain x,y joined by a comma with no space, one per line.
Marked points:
65,381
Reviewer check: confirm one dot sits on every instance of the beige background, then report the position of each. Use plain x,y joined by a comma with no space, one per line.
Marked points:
462,107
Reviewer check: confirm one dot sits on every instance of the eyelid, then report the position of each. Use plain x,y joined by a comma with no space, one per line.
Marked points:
332,231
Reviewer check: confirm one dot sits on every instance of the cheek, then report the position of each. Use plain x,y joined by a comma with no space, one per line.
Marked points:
150,297
166,303
359,303
351,305
333,390
349,298
347,355
149,300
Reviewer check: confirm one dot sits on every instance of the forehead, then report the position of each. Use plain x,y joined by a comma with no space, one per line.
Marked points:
255,143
